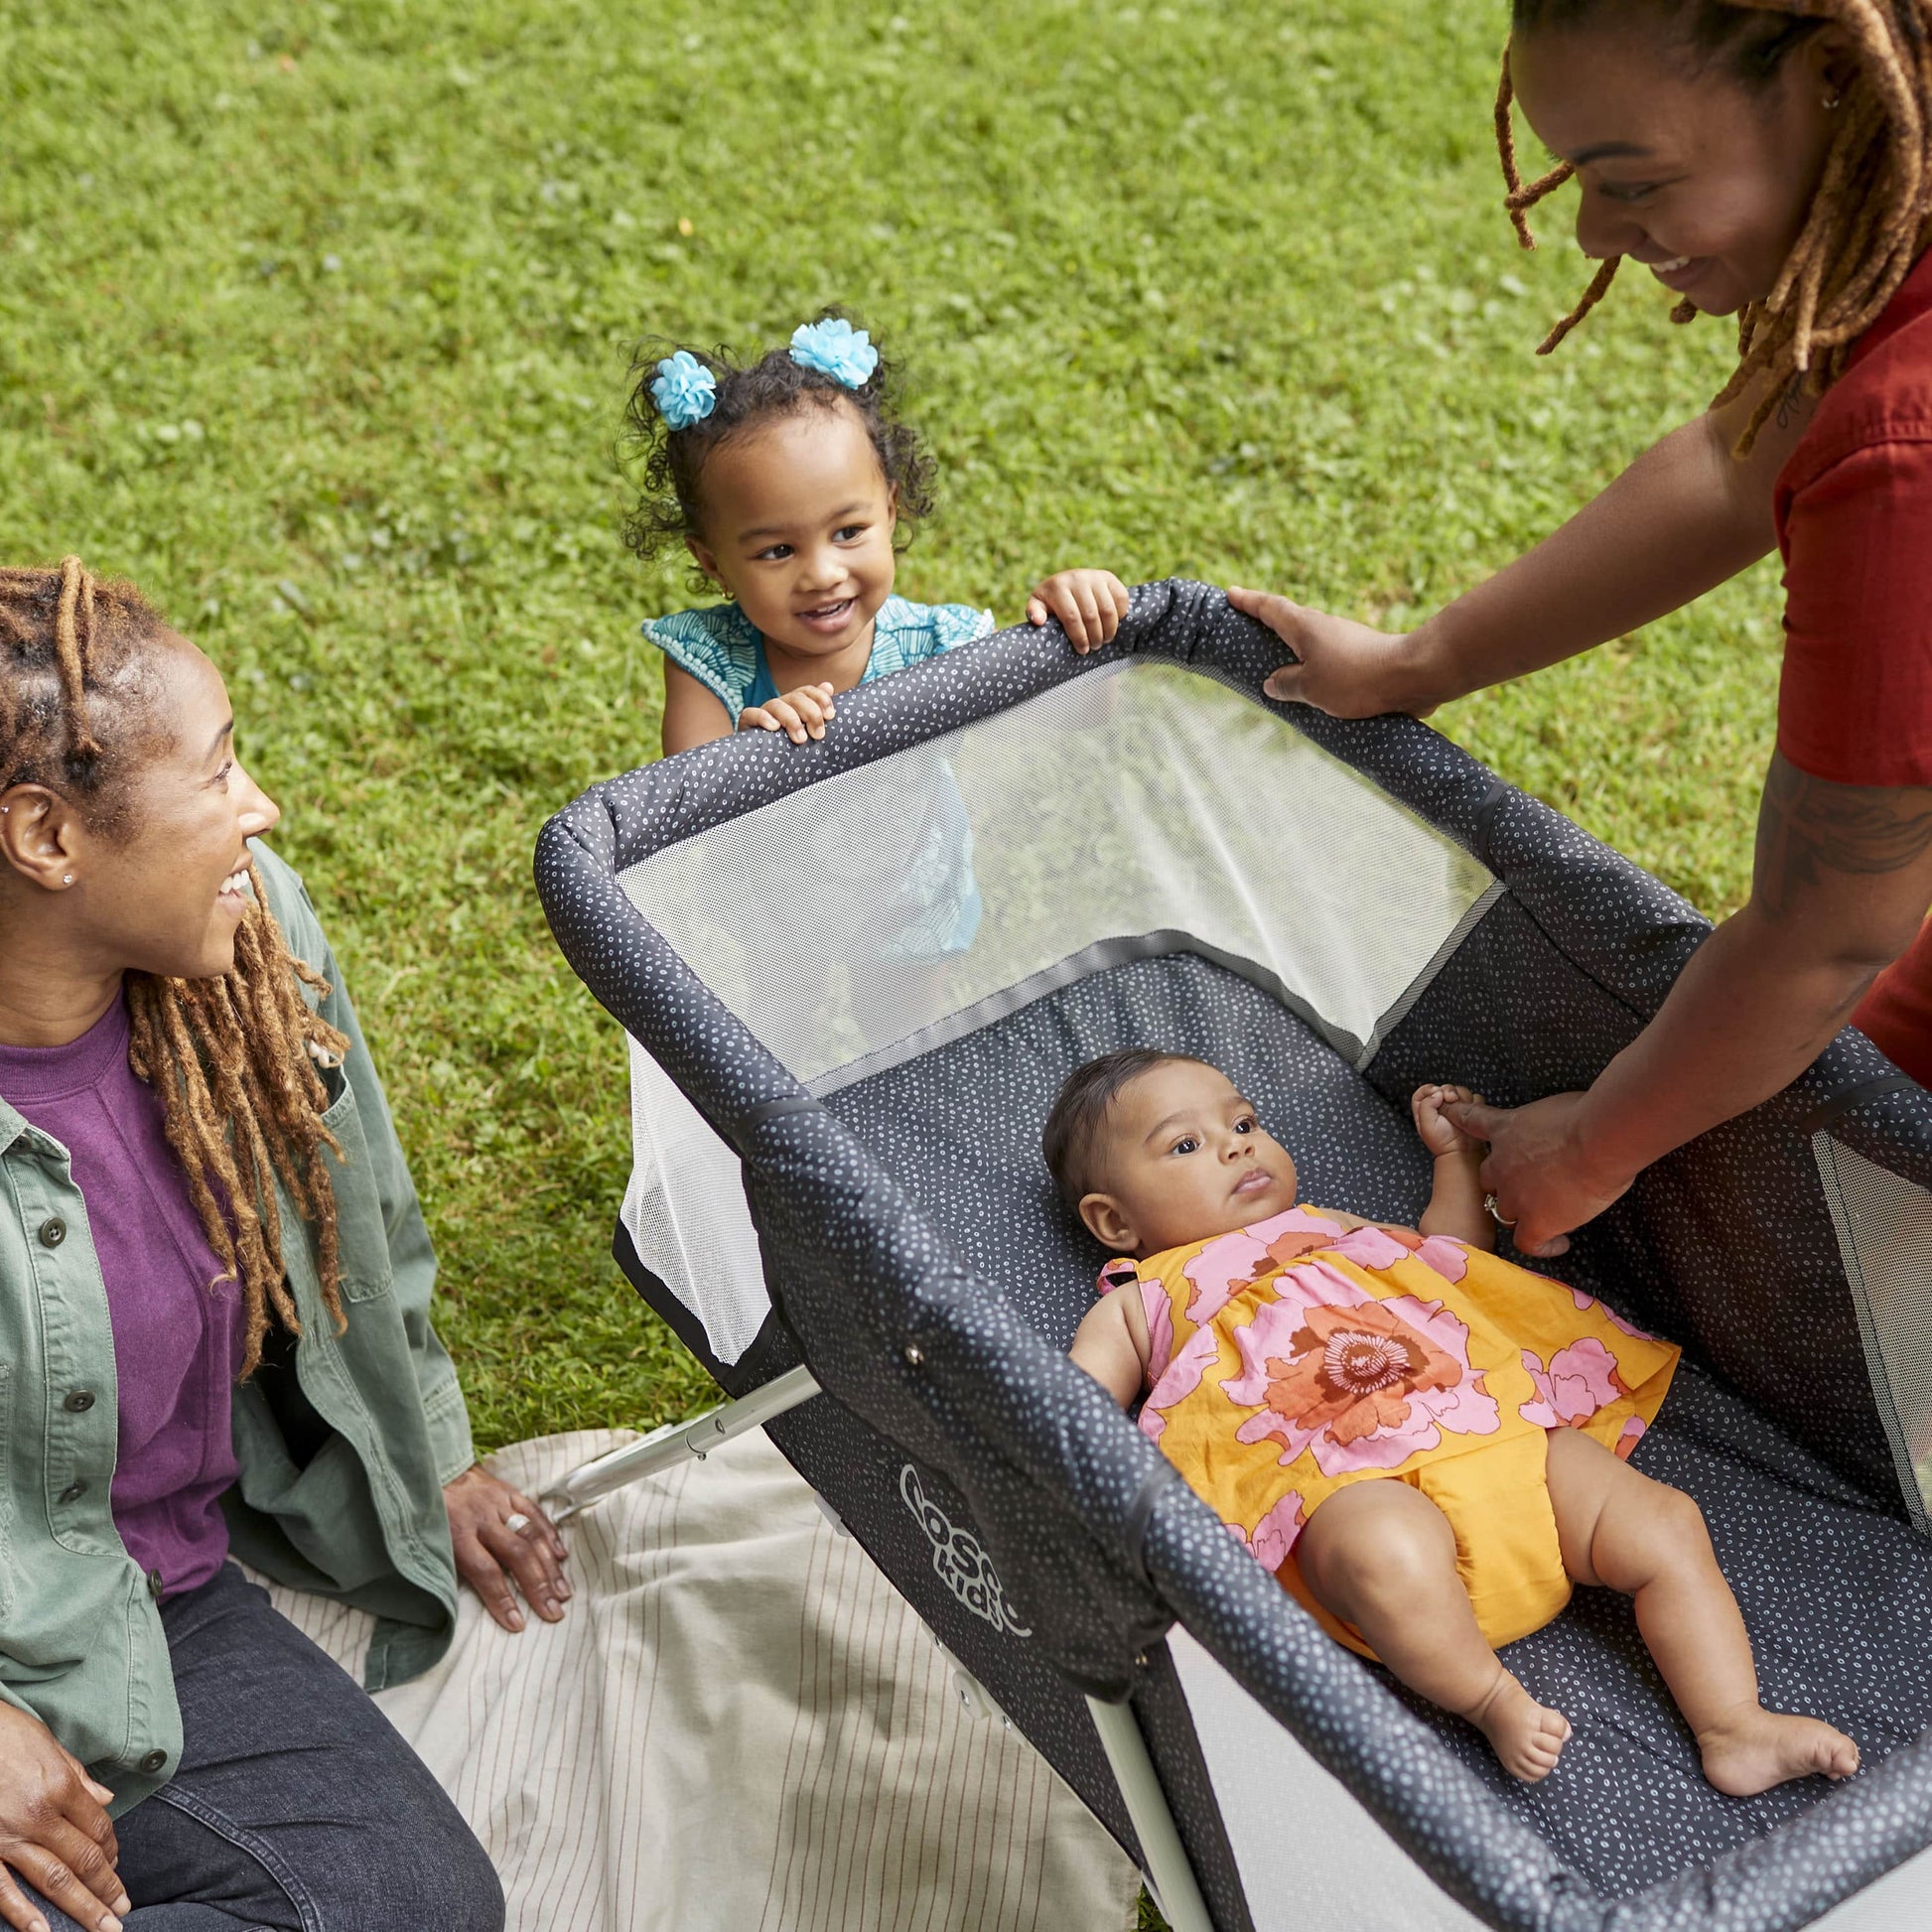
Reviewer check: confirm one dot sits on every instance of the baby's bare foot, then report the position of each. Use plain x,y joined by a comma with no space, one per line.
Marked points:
1528,1736
1750,1750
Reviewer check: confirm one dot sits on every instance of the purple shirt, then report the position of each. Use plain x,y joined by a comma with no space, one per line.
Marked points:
176,1339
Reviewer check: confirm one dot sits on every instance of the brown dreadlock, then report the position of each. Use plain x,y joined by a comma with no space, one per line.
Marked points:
1871,212
234,1059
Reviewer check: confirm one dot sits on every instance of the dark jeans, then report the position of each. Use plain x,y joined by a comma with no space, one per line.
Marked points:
297,1807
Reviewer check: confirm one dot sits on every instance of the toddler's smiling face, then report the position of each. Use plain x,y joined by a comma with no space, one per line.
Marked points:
1183,1158
798,523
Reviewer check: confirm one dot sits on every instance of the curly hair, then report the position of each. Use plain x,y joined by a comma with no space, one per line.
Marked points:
1869,217
670,507
234,1059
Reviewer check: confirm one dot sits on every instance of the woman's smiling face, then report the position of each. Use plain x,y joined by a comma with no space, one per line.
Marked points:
1702,177
161,890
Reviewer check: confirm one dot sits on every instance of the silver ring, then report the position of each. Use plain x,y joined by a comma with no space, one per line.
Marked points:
1489,1201
517,1522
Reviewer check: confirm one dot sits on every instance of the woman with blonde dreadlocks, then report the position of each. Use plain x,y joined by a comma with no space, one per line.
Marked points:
214,1337
1769,160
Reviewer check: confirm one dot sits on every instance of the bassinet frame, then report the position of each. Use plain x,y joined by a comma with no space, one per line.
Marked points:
1075,1515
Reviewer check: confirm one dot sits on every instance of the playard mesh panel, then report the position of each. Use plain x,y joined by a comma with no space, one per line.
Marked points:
1884,1232
1137,811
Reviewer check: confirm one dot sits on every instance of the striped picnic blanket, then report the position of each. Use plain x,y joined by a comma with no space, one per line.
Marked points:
739,1727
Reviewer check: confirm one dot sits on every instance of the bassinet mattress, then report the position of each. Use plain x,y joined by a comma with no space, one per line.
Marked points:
1834,1587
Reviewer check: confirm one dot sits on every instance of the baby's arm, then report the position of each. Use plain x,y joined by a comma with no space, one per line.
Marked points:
1455,1205
1111,1344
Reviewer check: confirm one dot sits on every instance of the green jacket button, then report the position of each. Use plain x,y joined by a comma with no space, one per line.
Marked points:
154,1761
54,1231
79,1401
154,1585
73,1492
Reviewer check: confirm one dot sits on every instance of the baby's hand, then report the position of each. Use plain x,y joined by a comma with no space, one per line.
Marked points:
799,714
1440,1134
1088,603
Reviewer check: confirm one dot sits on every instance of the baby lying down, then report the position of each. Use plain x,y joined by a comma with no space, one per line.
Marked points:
1424,1442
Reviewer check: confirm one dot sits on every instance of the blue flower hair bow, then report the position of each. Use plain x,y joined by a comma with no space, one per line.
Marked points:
685,391
834,347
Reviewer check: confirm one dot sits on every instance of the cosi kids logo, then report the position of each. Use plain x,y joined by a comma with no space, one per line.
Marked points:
962,1565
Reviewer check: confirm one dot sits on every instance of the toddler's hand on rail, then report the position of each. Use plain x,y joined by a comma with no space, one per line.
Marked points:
799,714
1347,669
1088,603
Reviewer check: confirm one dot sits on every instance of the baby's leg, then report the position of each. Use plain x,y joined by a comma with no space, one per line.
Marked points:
1382,1557
1621,1530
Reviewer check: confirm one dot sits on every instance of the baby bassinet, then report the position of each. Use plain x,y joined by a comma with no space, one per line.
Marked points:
837,1167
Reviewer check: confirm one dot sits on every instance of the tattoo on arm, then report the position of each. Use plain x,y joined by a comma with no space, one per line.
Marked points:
1807,828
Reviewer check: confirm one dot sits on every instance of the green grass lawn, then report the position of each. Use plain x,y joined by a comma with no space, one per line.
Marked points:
315,322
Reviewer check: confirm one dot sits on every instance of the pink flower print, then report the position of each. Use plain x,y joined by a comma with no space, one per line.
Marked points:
1360,1384
1179,1380
1588,1301
1450,1258
1371,1248
1275,1534
1222,1270
1635,1429
1578,1381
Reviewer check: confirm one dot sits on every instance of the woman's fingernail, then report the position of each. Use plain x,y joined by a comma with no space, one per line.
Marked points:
564,1589
514,1619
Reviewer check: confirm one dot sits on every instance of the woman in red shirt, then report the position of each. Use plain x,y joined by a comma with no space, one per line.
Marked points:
1767,159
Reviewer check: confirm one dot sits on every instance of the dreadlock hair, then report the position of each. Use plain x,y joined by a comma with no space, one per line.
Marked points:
1871,211
236,1059
670,507
1078,1115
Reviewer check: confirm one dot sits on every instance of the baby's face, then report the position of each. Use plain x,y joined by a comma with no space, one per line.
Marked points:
1184,1159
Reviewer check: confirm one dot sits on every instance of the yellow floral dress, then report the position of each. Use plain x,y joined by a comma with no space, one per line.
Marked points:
1290,1359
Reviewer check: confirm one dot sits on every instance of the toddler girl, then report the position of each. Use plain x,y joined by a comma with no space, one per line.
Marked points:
789,480
1421,1441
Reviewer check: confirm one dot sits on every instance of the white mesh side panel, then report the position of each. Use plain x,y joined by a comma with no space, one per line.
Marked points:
686,1216
841,920
1885,1234
1337,1867
1901,1901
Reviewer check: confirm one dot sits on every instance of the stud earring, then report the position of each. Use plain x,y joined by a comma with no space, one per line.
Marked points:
66,879
1830,102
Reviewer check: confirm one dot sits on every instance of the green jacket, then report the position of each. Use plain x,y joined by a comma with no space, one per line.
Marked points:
345,1442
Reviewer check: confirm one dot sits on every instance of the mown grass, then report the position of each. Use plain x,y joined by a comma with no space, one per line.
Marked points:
313,318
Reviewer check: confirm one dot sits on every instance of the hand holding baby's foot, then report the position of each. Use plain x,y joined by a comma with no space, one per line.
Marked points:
1440,1134
1526,1735
1750,1750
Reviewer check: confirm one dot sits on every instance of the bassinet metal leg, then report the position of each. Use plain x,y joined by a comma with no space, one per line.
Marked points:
1168,1874
590,1481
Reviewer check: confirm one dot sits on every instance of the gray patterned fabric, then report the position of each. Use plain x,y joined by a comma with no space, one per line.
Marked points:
919,1266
